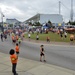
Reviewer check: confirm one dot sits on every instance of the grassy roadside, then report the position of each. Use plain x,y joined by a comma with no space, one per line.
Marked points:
53,37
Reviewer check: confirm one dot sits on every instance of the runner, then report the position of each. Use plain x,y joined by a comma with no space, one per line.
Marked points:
42,53
65,34
13,39
71,38
29,35
37,37
48,39
19,40
2,37
17,49
17,37
5,36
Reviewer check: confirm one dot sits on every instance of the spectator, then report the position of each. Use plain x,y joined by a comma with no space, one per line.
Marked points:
19,40
14,60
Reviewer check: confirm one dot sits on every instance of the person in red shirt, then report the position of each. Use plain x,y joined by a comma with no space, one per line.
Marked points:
14,59
17,49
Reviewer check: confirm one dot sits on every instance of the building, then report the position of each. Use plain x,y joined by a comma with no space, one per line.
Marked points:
56,19
13,21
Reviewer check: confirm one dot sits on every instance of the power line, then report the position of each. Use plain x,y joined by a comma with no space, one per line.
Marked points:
65,6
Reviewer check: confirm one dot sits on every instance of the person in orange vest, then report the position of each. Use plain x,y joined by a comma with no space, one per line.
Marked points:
14,59
17,49
17,37
13,39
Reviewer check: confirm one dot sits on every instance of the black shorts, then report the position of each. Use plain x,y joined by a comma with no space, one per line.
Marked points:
65,36
48,39
17,52
14,41
37,38
19,42
71,39
41,54
28,37
61,35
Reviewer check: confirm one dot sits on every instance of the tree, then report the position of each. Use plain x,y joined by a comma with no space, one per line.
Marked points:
10,25
37,24
30,23
50,25
71,23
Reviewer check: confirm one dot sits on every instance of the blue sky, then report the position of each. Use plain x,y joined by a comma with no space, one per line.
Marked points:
24,9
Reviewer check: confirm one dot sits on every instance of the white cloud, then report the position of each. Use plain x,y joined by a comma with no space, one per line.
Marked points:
24,9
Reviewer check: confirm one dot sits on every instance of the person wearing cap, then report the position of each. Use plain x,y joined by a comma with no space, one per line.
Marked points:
14,59
42,53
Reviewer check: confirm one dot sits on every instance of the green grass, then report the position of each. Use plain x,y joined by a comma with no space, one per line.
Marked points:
53,37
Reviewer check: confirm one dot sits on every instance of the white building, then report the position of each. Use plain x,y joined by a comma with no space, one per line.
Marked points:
11,21
15,22
44,18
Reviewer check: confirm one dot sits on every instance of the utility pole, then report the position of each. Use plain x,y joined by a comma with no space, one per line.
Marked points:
71,10
2,21
59,7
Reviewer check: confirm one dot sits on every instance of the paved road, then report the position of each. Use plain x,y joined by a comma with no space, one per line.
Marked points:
60,55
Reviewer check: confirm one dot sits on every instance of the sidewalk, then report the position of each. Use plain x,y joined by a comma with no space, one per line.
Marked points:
30,67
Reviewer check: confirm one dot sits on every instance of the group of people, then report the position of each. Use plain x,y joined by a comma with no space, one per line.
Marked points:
14,57
37,36
16,38
3,36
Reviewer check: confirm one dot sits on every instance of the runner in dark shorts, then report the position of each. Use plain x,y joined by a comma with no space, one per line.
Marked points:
42,53
37,37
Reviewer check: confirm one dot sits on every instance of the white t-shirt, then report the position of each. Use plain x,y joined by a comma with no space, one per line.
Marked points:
29,35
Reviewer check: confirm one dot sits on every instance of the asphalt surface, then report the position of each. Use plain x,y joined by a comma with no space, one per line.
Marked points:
60,55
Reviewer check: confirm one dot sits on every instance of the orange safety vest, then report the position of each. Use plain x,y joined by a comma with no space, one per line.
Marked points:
13,58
